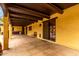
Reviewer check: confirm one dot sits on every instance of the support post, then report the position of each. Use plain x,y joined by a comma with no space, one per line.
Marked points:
10,31
6,33
6,26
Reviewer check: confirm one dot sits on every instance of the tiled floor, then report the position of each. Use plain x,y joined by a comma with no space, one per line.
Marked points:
22,45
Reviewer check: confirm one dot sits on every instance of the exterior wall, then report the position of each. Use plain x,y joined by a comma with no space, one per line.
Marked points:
10,31
36,28
67,27
17,28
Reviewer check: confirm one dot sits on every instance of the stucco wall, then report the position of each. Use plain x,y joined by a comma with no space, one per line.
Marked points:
67,27
17,28
36,28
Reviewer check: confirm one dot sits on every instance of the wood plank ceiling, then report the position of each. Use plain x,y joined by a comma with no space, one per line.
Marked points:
22,14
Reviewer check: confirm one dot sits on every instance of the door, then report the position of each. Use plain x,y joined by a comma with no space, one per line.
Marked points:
49,29
53,29
46,29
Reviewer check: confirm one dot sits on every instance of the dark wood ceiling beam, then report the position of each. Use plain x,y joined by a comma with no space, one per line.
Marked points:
15,24
19,11
39,7
25,16
26,10
30,16
21,19
15,15
17,18
14,19
54,8
21,23
26,21
18,23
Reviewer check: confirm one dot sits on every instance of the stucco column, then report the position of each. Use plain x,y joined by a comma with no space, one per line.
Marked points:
10,31
6,33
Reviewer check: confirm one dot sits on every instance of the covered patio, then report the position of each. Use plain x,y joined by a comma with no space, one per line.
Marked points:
22,45
48,29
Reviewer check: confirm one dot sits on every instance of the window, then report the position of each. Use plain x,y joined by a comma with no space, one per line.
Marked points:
35,34
53,29
40,25
30,28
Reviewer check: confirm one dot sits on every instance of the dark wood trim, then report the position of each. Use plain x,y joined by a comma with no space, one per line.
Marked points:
55,8
31,12
24,17
11,17
27,16
20,18
16,15
22,23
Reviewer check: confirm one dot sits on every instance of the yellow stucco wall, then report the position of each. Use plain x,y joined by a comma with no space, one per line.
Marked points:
10,31
67,27
17,28
36,28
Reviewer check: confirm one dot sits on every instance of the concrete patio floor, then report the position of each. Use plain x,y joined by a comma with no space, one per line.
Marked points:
21,45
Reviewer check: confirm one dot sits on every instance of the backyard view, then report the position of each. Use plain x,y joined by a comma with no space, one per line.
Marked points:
1,25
